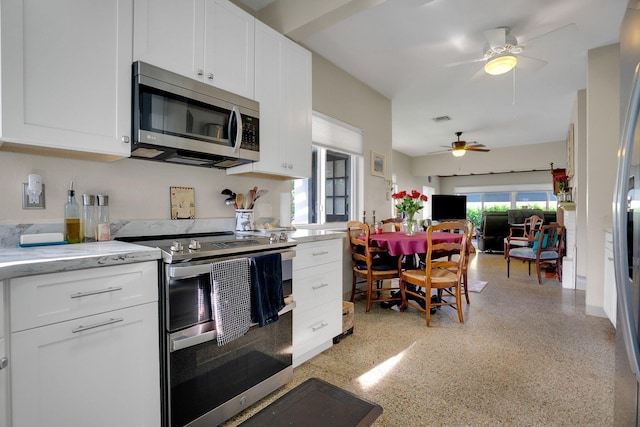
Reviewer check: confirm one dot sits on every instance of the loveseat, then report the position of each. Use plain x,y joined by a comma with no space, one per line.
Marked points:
494,226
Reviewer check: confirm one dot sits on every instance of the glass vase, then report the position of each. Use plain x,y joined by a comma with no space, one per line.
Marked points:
409,225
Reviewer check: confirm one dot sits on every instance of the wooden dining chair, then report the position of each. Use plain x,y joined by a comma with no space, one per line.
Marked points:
547,248
372,264
524,235
443,274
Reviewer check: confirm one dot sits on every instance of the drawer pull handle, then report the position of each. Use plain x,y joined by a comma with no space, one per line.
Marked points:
96,325
317,328
320,253
4,362
100,291
323,285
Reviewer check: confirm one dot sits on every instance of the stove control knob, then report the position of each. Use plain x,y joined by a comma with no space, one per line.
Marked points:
273,238
283,237
194,244
176,246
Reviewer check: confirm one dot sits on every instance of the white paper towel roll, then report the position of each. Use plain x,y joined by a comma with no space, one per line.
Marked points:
285,209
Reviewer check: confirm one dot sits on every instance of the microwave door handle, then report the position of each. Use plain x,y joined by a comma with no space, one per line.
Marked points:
620,249
235,113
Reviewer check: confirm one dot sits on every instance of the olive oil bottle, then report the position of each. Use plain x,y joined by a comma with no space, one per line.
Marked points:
71,218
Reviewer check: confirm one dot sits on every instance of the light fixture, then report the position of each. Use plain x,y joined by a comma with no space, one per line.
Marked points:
458,152
500,64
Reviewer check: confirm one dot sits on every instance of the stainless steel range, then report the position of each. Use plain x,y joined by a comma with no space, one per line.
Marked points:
205,383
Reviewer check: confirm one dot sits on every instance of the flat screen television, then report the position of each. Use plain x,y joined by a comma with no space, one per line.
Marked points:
445,207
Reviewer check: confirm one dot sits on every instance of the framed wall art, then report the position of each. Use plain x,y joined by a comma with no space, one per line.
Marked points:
183,205
378,164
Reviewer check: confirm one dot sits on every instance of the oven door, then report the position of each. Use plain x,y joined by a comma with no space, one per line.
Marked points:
205,383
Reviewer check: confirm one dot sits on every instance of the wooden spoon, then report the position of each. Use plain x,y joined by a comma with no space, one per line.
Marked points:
239,200
248,200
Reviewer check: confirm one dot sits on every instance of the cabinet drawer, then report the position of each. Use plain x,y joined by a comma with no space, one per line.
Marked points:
316,285
315,326
50,298
312,254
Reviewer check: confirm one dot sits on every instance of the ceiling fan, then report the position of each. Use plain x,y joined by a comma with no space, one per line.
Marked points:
458,148
502,51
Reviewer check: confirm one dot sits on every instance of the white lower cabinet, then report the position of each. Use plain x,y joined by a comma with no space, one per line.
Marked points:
87,353
4,369
317,289
610,297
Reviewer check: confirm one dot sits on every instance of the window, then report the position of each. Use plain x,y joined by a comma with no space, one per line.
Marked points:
331,194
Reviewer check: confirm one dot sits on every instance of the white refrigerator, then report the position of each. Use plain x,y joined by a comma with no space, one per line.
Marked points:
626,225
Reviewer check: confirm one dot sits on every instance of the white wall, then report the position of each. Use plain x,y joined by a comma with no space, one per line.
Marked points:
448,185
579,119
137,189
603,135
339,95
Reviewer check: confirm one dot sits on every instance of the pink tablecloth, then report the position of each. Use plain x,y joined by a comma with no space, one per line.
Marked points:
401,244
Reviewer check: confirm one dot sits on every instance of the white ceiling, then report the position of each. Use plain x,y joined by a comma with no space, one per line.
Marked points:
401,48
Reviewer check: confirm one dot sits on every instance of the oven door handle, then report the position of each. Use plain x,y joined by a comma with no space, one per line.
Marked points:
180,272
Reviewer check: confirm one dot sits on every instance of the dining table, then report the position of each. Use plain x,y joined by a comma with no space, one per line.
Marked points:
399,243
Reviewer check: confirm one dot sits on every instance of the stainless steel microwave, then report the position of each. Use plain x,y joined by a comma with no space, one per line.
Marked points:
180,120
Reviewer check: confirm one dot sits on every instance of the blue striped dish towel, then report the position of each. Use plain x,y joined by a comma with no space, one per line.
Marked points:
231,298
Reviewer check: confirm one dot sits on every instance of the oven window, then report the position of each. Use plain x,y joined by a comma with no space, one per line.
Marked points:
189,302
206,376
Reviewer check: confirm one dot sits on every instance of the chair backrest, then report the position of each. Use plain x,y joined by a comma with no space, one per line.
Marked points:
395,221
549,238
358,241
460,248
531,225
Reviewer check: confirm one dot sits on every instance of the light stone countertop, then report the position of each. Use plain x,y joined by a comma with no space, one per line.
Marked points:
18,262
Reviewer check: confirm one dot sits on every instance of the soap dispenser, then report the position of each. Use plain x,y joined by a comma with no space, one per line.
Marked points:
71,218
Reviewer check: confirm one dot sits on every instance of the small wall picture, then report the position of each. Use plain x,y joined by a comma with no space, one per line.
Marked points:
378,164
183,205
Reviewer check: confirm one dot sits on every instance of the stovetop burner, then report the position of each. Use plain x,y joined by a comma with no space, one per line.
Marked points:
197,246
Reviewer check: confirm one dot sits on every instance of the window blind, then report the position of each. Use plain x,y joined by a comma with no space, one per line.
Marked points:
336,135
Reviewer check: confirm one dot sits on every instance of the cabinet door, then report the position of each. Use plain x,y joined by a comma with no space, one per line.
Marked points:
296,109
66,75
229,47
283,88
78,373
170,34
4,419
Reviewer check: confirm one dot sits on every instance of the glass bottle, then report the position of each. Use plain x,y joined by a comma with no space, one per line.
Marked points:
71,218
104,227
88,223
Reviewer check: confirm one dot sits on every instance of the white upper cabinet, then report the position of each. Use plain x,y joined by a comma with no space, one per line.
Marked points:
66,77
207,40
283,89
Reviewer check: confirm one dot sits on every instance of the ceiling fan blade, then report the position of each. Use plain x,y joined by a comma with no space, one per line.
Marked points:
476,145
496,38
470,61
484,150
562,31
530,64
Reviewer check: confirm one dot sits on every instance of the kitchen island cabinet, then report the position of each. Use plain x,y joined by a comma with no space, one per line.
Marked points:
283,89
208,40
317,290
66,78
85,347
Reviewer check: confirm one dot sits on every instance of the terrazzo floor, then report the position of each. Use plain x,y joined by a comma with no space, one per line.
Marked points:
527,355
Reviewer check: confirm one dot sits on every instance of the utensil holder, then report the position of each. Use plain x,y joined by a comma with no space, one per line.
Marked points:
244,220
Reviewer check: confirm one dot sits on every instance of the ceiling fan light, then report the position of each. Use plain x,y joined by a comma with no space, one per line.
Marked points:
500,64
458,152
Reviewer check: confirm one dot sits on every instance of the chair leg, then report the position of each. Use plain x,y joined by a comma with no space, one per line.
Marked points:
403,295
466,288
459,304
538,270
353,286
369,292
427,304
507,267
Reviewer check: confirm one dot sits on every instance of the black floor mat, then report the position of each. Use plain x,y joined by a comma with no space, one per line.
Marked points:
316,403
